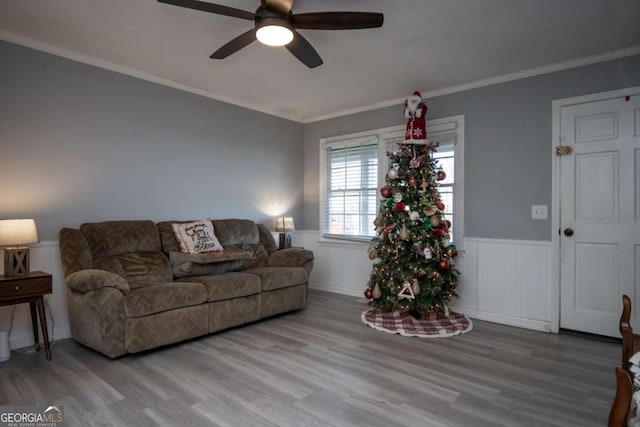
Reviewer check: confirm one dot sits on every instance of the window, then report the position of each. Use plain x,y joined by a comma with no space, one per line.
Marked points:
352,169
351,187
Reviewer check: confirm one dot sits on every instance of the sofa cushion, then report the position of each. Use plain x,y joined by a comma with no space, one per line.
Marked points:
279,277
236,231
118,237
266,237
74,251
228,232
228,285
196,237
162,297
138,268
167,236
235,234
242,234
291,257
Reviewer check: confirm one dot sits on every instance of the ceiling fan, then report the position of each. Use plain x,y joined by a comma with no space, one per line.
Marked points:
276,25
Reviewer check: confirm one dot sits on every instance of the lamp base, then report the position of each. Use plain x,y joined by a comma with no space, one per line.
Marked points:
285,240
16,261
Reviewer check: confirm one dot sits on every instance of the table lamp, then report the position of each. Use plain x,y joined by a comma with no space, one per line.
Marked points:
13,234
284,225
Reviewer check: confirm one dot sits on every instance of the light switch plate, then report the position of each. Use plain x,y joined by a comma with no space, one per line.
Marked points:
539,212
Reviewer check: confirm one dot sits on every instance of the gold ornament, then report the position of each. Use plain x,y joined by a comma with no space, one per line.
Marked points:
378,221
377,293
415,287
404,233
431,210
435,220
373,253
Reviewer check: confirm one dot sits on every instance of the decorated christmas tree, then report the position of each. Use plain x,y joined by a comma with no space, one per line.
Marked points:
415,269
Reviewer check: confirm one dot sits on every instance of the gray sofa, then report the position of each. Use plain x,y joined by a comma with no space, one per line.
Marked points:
130,288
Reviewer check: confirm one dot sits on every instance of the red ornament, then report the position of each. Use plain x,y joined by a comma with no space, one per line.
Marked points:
443,264
368,293
400,207
454,254
438,233
440,206
448,224
421,274
385,192
413,182
387,229
441,175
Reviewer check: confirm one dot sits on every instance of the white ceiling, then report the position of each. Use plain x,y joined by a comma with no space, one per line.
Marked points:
437,46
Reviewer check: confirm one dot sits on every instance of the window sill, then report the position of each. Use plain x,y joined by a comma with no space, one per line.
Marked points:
331,240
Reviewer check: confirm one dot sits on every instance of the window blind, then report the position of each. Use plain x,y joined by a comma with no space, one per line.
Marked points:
352,187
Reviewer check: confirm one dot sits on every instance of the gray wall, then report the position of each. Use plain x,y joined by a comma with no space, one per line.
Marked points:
507,147
79,143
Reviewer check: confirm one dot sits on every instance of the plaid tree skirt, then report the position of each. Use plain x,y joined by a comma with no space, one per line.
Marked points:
429,325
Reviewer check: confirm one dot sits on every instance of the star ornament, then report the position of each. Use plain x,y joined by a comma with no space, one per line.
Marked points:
406,292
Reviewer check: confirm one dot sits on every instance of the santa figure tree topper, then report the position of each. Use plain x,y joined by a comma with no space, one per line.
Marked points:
415,110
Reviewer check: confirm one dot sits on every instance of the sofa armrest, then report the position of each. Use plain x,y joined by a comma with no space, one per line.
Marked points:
291,257
91,280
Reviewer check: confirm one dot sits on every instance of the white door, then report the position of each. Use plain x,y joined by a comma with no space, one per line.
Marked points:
599,213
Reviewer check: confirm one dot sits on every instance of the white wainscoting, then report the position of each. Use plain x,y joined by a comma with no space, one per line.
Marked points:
340,266
503,281
44,256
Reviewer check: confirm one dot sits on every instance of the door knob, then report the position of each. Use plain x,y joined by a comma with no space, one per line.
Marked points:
568,232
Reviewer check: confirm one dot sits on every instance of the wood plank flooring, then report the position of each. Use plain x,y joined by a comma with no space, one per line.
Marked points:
323,367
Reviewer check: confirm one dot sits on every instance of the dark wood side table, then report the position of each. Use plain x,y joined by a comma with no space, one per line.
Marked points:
31,288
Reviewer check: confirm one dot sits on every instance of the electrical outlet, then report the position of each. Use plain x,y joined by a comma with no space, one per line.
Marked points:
539,212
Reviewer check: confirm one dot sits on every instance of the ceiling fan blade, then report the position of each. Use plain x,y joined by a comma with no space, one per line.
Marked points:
235,45
337,20
282,6
302,49
210,7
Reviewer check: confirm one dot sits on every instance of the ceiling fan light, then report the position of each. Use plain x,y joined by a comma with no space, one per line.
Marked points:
274,35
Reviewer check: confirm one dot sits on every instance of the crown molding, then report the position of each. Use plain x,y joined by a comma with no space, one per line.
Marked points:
90,60
559,66
107,65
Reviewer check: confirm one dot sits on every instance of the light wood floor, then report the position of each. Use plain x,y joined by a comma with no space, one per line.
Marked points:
323,367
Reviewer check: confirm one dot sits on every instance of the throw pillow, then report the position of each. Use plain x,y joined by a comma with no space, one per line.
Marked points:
196,237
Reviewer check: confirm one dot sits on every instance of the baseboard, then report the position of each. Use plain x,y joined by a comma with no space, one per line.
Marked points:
520,322
336,289
26,340
504,319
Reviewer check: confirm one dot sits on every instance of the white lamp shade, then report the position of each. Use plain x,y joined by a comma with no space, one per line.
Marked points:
17,232
285,224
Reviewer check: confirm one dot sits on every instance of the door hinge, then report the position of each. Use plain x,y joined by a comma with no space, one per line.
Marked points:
563,150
